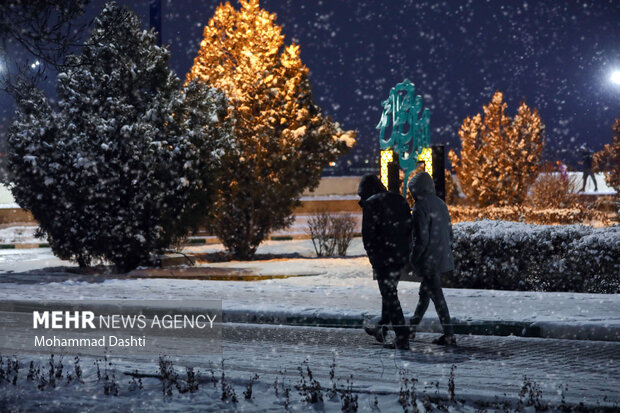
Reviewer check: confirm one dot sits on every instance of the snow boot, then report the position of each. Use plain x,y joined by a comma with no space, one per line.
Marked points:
379,332
446,340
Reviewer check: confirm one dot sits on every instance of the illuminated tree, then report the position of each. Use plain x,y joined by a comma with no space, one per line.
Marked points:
499,156
283,140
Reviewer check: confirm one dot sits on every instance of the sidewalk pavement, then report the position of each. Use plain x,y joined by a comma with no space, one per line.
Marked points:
347,299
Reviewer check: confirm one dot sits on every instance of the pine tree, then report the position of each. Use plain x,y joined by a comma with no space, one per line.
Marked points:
283,140
499,156
120,169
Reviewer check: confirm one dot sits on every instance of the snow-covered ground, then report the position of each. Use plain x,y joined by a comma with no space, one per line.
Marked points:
487,370
6,198
345,363
24,234
340,287
576,178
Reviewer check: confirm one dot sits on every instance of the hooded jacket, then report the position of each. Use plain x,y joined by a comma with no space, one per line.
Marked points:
431,237
386,224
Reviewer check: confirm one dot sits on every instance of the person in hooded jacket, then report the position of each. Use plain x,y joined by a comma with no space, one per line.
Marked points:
431,252
386,228
586,161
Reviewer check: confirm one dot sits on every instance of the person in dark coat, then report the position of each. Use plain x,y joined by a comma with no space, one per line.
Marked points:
386,228
431,252
586,161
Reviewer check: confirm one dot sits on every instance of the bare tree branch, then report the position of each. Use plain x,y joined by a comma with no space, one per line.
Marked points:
46,29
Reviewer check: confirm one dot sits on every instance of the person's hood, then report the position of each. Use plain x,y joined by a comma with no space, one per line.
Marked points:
369,186
421,185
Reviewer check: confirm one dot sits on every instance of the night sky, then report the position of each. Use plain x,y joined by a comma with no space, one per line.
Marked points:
557,55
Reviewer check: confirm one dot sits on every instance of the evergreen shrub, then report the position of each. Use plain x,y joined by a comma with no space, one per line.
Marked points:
517,256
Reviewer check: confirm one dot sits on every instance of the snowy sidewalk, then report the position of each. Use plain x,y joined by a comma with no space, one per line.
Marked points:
547,315
341,295
488,374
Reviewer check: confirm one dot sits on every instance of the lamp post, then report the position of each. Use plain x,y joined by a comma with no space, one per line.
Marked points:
439,169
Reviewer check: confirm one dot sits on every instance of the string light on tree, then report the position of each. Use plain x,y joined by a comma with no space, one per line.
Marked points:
499,155
283,138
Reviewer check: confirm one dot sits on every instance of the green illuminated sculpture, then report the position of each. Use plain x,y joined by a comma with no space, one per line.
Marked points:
410,132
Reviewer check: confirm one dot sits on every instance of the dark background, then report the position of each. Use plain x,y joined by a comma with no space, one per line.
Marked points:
556,55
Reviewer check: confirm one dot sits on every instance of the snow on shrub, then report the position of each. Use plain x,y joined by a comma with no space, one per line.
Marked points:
512,255
128,160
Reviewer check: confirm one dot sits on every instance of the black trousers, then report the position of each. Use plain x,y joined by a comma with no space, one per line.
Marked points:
588,173
430,289
391,311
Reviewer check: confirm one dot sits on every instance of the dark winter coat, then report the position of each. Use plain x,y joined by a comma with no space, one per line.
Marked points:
386,224
587,160
431,238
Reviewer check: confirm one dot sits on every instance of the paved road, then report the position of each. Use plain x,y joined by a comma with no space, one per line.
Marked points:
486,366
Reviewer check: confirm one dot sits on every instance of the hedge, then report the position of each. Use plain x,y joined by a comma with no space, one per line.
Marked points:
518,256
